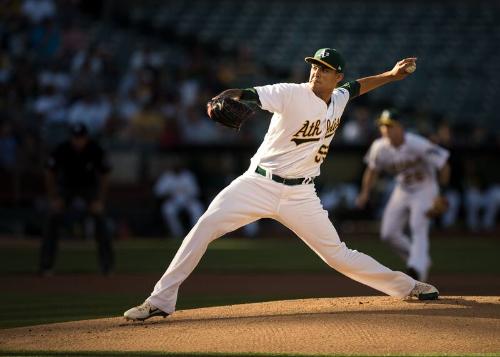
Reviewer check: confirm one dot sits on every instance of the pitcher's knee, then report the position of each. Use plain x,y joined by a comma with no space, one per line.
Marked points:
213,225
337,255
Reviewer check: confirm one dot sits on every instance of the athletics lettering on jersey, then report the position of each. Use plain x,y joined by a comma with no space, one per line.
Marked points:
299,133
307,132
331,127
400,166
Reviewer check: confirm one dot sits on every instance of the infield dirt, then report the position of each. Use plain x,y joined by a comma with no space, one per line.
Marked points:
354,325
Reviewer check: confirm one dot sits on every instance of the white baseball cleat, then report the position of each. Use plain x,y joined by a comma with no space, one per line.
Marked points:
424,291
143,312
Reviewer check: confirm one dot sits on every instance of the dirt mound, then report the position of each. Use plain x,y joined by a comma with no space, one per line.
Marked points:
355,325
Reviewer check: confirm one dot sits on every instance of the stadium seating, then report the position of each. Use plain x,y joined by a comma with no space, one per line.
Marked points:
456,42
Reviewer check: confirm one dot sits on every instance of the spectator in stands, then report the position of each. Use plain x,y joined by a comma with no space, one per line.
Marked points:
74,38
50,105
88,60
146,57
38,10
46,40
178,190
170,135
196,128
127,106
55,75
189,88
77,172
146,126
93,110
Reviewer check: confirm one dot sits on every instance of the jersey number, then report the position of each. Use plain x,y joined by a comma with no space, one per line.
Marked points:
412,177
321,155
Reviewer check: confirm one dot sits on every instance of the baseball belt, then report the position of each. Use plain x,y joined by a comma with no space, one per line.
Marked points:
286,181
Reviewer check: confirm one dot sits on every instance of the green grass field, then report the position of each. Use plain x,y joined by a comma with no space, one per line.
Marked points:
287,256
469,254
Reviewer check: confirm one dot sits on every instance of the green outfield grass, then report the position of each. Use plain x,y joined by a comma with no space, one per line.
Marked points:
460,255
228,255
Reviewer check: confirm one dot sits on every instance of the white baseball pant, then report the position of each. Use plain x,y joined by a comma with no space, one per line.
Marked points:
250,197
410,207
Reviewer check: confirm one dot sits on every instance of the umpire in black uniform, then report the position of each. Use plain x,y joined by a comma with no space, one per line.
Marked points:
77,168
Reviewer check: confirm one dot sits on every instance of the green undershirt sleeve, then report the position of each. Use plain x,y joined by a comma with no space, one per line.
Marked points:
250,95
353,88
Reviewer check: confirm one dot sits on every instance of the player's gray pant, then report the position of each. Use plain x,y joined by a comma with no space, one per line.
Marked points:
251,197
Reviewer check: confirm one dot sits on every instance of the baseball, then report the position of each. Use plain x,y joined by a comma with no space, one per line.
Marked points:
411,69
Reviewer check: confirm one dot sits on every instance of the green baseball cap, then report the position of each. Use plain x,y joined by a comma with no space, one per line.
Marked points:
328,57
389,117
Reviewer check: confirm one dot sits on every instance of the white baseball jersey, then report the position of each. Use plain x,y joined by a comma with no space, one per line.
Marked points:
300,131
414,162
295,145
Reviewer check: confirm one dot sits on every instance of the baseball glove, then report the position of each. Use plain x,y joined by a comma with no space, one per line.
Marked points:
229,112
439,206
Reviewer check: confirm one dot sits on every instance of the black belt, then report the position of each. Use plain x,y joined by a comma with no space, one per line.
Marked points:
285,181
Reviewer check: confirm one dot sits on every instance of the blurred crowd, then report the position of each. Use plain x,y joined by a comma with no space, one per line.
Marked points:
56,69
60,66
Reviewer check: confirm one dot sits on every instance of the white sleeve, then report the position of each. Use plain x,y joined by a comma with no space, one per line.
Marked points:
437,155
340,97
432,153
273,97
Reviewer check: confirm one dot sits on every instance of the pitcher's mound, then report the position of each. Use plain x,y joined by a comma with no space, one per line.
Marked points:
355,325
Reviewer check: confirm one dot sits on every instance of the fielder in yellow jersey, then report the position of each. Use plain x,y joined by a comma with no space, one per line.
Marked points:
279,183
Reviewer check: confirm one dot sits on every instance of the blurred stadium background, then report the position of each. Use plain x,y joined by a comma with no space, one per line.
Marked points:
139,73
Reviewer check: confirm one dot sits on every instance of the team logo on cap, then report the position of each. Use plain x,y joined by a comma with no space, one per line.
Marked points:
324,53
386,115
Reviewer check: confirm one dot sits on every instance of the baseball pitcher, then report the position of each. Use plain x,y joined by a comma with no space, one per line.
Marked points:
279,183
415,199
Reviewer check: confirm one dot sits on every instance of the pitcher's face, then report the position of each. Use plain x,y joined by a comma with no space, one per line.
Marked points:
322,78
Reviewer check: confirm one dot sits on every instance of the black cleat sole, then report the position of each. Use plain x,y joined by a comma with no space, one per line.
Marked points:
430,296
